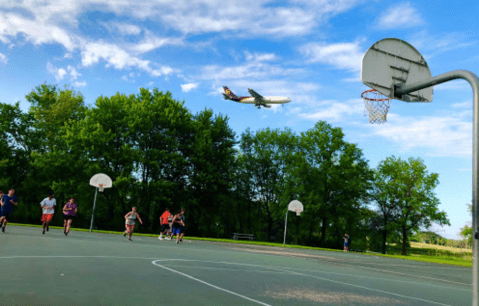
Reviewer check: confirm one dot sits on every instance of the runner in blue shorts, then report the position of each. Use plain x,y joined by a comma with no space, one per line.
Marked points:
8,200
178,226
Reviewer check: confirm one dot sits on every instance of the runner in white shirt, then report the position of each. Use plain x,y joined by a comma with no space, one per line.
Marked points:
48,210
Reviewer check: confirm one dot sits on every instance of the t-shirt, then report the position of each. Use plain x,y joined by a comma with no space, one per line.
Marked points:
70,212
165,217
49,203
8,206
347,239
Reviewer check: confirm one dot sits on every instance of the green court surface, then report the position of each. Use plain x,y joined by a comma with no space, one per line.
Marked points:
103,269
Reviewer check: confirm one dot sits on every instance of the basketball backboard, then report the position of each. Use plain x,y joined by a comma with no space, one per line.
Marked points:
295,206
101,181
392,63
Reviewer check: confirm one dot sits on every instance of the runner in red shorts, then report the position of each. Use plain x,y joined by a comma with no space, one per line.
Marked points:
47,205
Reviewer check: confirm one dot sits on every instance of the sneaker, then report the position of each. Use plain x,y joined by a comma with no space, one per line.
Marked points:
169,238
3,229
177,242
66,233
124,234
129,239
48,228
43,231
161,238
181,240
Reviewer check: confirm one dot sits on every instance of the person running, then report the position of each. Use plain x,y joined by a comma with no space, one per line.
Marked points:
346,242
48,210
165,227
130,222
178,226
8,200
69,211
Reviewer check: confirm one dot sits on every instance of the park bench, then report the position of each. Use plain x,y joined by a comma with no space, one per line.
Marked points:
237,236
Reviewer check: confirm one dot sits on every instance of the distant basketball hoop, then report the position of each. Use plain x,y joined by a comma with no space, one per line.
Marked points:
295,206
100,181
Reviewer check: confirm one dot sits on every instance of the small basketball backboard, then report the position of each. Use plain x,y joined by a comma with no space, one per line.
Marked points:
391,63
101,181
295,206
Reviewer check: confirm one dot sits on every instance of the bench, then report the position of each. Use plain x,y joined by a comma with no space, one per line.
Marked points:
237,236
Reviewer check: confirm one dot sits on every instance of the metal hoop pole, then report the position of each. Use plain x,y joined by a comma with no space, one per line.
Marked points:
474,82
285,224
93,212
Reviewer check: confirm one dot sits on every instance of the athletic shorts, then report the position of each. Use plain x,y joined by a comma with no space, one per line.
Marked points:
5,214
128,226
164,227
68,217
346,245
47,218
177,230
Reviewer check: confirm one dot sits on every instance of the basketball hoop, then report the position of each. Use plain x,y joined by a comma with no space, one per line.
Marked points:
376,104
100,187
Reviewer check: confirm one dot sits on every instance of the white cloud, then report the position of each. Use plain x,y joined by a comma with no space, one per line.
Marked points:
333,111
340,55
58,73
3,58
122,28
431,45
38,31
466,104
80,84
447,136
259,57
188,87
399,16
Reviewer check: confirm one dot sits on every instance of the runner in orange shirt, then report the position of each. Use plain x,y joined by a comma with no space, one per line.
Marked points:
165,227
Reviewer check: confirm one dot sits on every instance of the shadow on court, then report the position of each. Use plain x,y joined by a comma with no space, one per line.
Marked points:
102,269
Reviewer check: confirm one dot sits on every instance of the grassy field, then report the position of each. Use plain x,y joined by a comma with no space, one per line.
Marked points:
418,251
437,252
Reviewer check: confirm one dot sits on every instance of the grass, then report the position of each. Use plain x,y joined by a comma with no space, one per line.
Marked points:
434,255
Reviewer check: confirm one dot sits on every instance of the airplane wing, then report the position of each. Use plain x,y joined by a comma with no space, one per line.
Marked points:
256,95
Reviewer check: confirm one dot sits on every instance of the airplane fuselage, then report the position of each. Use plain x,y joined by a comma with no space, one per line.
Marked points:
255,98
267,100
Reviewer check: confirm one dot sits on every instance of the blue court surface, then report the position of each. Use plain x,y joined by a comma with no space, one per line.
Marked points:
103,269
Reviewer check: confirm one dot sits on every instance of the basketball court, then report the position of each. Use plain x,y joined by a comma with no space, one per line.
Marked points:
104,269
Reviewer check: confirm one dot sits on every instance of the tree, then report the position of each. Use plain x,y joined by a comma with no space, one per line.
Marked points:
267,159
410,190
331,177
466,231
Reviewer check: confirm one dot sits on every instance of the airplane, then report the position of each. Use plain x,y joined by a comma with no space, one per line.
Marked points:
255,98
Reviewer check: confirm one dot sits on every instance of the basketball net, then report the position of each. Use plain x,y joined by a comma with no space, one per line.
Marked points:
376,104
100,187
298,212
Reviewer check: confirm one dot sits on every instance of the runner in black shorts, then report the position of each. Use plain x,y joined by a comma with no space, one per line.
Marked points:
178,226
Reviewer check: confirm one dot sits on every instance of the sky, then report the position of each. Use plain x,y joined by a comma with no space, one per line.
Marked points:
308,50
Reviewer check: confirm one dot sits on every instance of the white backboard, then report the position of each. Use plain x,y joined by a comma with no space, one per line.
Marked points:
391,62
294,205
101,178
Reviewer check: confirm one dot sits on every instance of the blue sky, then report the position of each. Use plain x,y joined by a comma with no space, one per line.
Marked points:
310,51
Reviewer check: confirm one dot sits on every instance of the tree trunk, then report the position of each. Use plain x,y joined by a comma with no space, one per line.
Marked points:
323,232
385,235
404,240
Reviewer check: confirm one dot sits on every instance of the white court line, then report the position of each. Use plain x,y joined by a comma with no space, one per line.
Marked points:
230,263
303,274
289,270
377,290
331,259
203,282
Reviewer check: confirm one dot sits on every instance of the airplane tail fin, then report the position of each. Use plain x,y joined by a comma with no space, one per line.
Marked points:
229,95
